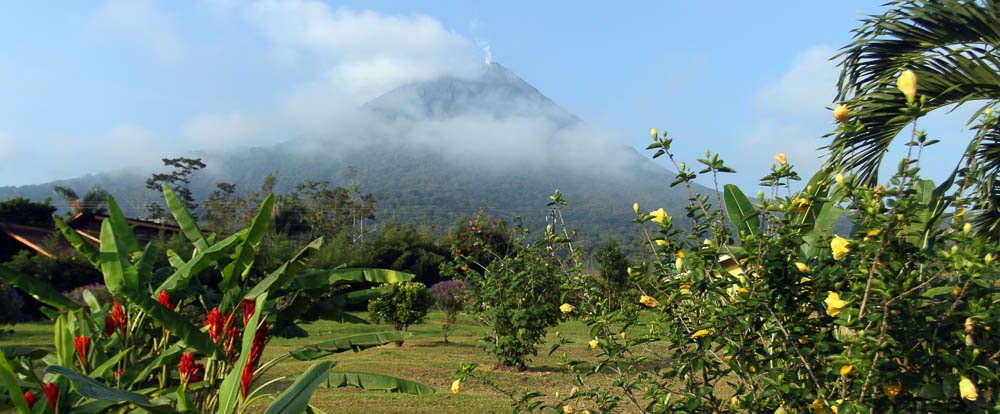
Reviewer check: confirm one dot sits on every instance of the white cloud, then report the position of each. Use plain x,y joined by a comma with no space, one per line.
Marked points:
140,21
365,52
791,115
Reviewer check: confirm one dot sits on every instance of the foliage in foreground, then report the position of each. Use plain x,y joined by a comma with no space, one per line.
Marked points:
140,353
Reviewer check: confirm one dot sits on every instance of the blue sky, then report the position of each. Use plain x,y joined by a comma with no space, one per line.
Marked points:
90,86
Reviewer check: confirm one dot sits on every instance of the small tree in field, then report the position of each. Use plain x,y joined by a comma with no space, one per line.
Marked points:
403,305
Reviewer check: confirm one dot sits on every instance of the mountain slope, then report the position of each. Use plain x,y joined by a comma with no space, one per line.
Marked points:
434,151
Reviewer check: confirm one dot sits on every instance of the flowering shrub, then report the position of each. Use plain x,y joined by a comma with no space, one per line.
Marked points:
451,297
99,292
135,351
10,305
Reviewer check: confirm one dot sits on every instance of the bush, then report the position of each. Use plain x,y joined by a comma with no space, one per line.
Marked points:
10,305
99,291
64,273
403,304
451,297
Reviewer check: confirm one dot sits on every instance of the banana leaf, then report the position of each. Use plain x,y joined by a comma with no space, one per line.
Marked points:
326,278
741,211
77,241
201,260
243,258
349,343
296,397
91,388
279,277
41,291
376,382
118,221
184,219
11,384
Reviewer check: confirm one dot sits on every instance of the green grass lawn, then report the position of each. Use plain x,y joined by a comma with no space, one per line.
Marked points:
424,358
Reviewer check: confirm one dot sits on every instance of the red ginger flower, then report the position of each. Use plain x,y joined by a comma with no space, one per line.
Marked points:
164,299
215,323
259,340
82,344
51,391
249,307
30,399
232,342
118,319
189,370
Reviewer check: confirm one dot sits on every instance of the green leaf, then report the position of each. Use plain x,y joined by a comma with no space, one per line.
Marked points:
322,279
123,231
741,212
184,219
13,389
279,277
41,291
17,351
937,291
169,356
63,339
114,261
201,260
349,343
243,259
229,391
295,398
91,388
376,382
77,241
106,366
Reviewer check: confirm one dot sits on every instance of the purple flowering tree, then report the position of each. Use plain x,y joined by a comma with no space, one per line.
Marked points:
450,296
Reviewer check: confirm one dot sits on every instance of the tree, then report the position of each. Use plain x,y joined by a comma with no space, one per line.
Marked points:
20,210
951,46
178,180
95,201
223,208
613,266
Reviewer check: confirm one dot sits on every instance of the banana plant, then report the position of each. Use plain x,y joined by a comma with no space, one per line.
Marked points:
140,353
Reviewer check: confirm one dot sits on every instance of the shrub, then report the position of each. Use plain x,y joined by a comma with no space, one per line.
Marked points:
10,305
451,297
100,292
403,304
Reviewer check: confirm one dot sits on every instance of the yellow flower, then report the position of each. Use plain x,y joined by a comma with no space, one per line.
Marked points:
966,228
817,406
649,301
660,216
456,387
833,304
839,247
700,333
960,213
907,82
803,340
840,113
846,369
839,179
967,389
568,409
680,254
742,290
801,205
781,158
594,344
874,232
653,133
661,242
464,267
780,410
566,308
804,268
892,390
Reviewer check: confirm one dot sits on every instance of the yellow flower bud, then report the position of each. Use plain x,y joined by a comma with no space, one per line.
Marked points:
907,83
661,242
566,308
700,333
966,228
968,389
840,113
846,369
839,179
635,208
804,268
781,158
456,387
653,133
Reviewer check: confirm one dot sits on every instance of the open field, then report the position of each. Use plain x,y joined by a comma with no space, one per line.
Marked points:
424,358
